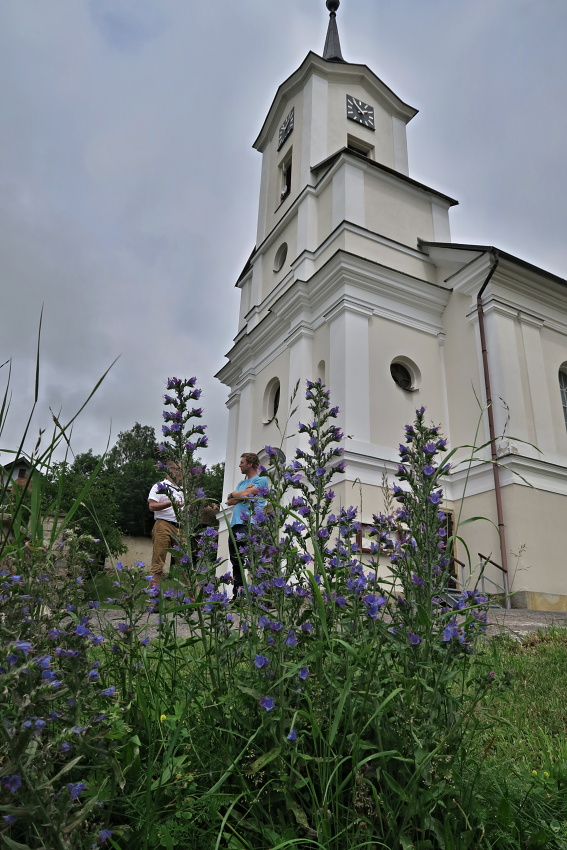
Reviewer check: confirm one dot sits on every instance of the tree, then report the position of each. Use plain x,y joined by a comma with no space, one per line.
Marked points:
212,481
96,514
139,443
132,465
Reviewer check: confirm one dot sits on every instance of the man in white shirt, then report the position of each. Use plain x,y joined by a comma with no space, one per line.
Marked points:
165,532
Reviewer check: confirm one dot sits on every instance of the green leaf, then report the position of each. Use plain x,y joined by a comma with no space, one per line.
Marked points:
396,788
504,813
301,818
265,759
69,766
14,844
251,691
339,711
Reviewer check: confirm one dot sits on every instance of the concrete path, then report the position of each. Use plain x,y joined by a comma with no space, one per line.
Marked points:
518,621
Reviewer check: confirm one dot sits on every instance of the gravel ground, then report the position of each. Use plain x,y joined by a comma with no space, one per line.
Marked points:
516,622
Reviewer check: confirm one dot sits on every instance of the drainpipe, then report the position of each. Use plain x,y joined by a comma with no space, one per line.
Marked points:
491,430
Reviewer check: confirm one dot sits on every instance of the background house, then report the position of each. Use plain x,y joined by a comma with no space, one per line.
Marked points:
18,470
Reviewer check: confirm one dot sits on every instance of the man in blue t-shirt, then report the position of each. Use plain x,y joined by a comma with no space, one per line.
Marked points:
240,499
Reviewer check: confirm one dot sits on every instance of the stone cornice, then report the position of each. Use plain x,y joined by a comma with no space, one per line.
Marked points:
367,463
345,279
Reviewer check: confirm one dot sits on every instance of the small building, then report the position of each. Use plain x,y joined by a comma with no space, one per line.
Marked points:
17,471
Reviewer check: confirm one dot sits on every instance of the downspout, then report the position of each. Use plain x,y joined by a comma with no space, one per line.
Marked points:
491,430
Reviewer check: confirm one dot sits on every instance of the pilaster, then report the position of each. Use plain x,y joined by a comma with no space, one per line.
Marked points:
301,367
509,404
349,372
348,196
537,380
314,126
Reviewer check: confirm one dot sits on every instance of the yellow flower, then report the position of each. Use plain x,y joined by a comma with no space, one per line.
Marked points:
534,772
545,774
179,776
162,717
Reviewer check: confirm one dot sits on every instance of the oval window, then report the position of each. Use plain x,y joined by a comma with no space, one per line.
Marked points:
280,257
405,374
271,400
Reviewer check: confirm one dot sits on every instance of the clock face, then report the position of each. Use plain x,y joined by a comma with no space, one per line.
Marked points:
286,128
360,112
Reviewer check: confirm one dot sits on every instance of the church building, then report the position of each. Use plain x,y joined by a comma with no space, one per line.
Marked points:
354,279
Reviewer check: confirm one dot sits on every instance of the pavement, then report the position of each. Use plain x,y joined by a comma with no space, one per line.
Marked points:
517,622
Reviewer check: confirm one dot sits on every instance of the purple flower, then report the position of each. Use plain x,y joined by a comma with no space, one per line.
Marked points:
452,631
24,645
414,639
76,789
291,639
292,735
104,835
303,673
267,703
307,627
340,601
82,630
261,661
428,469
419,582
108,692
11,782
10,819
435,497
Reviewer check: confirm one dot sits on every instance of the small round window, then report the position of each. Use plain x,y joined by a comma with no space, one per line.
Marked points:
405,374
280,257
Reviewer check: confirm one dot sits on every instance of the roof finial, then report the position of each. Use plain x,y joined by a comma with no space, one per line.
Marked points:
332,51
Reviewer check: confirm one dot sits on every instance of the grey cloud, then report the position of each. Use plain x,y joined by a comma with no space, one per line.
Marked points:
128,187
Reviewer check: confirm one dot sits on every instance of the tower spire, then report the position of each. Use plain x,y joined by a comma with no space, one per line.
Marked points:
332,51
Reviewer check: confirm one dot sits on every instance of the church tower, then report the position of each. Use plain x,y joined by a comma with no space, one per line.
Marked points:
354,279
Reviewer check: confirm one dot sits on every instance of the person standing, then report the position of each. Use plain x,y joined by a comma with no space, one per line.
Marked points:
240,499
165,532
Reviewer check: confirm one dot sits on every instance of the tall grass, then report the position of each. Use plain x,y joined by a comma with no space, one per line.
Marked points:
334,705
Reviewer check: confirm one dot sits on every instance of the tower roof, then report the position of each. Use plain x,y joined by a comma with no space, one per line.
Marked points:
332,50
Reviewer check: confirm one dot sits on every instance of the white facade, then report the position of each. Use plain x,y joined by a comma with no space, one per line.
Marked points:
354,271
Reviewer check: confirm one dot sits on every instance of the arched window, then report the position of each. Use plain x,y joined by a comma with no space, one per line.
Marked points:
563,389
271,400
321,371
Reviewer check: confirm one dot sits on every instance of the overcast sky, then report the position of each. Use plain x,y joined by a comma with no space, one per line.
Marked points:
129,187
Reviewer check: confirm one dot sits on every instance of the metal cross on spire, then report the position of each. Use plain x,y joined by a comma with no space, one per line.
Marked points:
332,51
